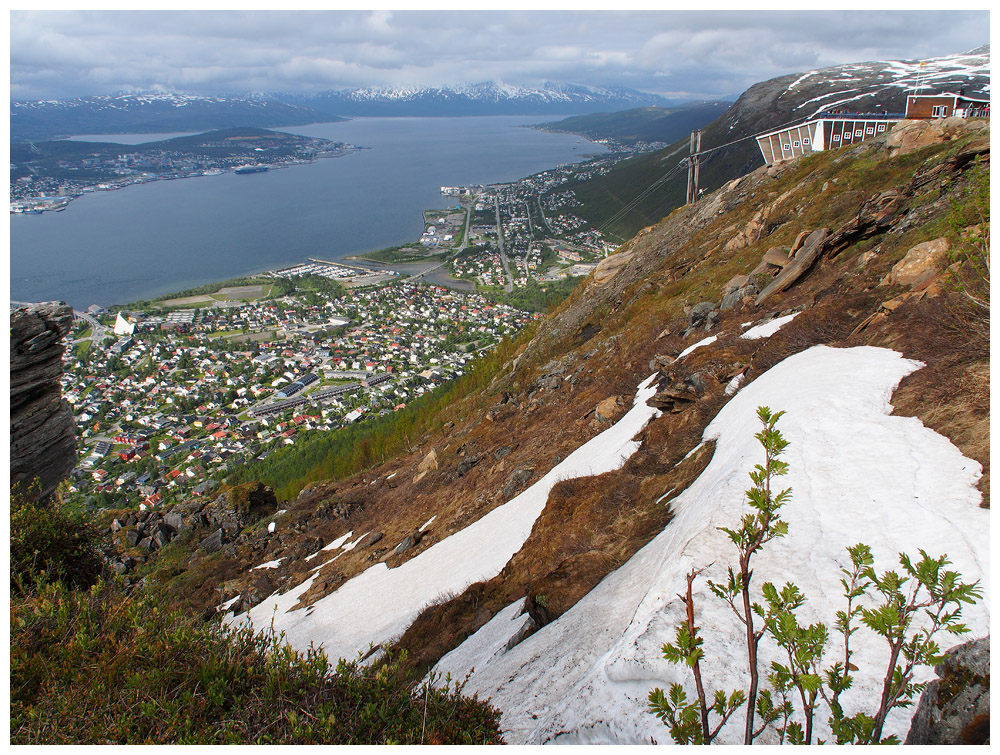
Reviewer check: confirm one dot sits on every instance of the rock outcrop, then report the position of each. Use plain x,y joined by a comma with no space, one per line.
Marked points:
955,708
42,434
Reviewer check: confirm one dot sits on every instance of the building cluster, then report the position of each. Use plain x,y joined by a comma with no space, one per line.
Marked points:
163,413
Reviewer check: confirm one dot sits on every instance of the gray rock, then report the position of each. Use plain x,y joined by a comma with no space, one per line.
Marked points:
175,521
501,452
213,542
407,543
699,313
731,299
42,431
161,536
955,709
116,525
517,480
370,539
465,466
132,537
147,543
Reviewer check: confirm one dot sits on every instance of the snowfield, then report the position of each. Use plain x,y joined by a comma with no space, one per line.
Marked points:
858,474
379,604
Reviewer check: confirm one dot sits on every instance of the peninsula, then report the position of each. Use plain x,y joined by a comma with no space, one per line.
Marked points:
48,175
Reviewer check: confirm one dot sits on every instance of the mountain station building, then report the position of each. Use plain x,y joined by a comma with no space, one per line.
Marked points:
835,129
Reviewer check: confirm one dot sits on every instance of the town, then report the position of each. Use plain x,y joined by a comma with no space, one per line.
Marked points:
168,402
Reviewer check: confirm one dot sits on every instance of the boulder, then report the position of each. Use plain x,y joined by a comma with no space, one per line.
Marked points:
610,409
213,542
921,263
777,255
369,540
699,313
465,466
909,136
608,267
501,452
800,264
735,283
132,537
174,520
517,480
429,463
955,709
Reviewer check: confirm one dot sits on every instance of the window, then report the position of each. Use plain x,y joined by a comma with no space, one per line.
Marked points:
786,146
795,144
859,133
939,111
847,136
870,130
836,137
805,141
881,127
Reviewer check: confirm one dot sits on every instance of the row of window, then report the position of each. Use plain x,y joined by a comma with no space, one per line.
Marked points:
848,136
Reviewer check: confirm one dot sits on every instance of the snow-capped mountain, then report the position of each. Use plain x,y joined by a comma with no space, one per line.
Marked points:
486,98
152,112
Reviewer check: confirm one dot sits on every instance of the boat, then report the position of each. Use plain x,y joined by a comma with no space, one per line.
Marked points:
251,169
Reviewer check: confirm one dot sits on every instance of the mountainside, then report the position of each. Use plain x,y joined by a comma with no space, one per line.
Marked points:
486,98
151,113
538,525
648,124
864,87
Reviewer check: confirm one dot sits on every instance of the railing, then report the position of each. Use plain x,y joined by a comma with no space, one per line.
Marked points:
853,116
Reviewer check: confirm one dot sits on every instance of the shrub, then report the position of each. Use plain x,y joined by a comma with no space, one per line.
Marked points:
108,666
50,541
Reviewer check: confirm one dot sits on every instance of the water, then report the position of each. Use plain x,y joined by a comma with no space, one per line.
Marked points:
152,239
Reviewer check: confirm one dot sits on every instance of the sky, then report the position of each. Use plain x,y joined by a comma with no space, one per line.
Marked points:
62,53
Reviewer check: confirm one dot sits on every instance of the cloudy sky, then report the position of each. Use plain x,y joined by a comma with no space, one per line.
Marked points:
674,53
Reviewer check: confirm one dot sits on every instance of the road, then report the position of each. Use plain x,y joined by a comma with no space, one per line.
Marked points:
509,286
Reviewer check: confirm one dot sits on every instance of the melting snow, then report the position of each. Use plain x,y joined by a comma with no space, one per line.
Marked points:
692,347
380,603
734,385
858,474
768,328
269,564
427,524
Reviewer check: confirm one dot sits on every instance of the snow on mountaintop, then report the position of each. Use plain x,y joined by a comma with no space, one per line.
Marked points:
378,605
585,677
928,76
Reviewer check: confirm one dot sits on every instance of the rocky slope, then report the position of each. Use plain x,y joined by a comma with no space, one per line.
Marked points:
588,447
42,433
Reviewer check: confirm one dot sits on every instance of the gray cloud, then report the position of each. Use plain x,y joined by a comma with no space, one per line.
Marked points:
704,53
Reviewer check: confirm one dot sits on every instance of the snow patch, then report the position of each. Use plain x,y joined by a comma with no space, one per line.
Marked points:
380,603
427,524
768,328
734,385
692,347
857,473
268,564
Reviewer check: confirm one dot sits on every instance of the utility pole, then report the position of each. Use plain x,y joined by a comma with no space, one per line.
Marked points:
690,186
697,167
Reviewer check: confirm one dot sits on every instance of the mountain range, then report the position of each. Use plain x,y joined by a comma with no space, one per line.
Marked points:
164,112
